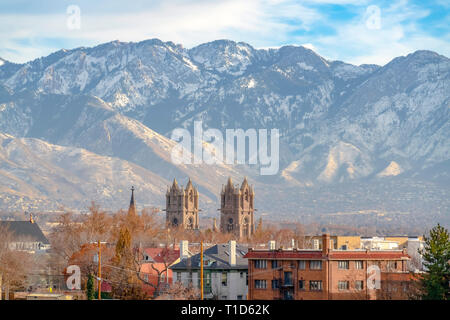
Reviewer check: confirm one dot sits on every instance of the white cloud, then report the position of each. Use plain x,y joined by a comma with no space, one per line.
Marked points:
261,23
356,43
189,23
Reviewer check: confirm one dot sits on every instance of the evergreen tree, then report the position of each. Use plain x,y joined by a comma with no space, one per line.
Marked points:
90,293
434,284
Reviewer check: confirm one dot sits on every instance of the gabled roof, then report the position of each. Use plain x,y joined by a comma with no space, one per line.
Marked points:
25,230
162,255
215,258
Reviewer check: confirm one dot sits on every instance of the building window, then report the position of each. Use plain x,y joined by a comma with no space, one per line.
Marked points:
392,265
260,284
343,285
275,284
224,279
230,225
343,264
179,276
241,275
239,297
301,284
275,264
316,244
315,285
224,297
359,265
190,278
359,285
315,265
288,279
302,264
260,264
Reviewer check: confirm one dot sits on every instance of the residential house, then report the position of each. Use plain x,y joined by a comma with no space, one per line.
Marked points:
224,271
155,268
26,236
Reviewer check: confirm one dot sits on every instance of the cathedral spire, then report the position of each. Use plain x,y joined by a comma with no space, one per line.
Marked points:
132,208
189,184
230,183
244,183
175,184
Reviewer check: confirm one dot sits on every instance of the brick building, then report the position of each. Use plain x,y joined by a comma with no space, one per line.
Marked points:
327,274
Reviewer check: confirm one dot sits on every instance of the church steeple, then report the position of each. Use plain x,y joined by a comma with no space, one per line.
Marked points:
132,208
237,210
182,206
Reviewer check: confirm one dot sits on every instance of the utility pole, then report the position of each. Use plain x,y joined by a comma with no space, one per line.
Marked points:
201,270
99,271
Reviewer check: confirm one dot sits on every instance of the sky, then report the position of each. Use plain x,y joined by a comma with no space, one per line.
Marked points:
354,31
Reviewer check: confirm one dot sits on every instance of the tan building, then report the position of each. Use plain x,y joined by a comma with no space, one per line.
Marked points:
182,206
237,209
338,242
327,274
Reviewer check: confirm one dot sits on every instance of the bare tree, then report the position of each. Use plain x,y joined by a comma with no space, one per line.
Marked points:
179,292
14,265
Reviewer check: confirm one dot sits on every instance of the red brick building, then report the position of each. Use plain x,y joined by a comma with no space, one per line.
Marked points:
327,274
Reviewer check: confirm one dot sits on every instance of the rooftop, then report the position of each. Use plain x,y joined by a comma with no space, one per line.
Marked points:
332,255
25,230
215,257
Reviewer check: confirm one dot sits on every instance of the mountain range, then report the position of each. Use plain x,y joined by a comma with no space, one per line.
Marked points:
86,124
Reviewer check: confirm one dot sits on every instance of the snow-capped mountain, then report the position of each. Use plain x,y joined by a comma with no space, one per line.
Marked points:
339,123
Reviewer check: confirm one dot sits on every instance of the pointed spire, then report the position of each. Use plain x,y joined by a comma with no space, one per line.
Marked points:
189,184
229,184
175,184
244,183
132,208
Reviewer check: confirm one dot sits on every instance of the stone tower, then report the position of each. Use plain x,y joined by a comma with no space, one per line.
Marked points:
237,209
182,206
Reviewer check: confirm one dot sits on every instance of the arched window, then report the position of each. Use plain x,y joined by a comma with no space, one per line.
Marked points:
230,225
245,227
175,221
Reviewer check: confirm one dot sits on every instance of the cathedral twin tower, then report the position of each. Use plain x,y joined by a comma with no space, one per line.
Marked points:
236,208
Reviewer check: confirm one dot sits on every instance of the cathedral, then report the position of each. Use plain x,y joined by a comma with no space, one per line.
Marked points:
182,206
237,209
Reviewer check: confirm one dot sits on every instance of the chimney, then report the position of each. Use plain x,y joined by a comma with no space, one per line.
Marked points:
184,249
232,253
272,245
325,243
292,243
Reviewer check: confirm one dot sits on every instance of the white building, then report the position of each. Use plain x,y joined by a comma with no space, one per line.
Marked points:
224,271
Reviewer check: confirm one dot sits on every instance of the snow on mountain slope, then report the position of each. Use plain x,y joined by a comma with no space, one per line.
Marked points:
339,123
37,175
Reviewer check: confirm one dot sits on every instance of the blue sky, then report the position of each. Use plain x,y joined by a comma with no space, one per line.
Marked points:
356,31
